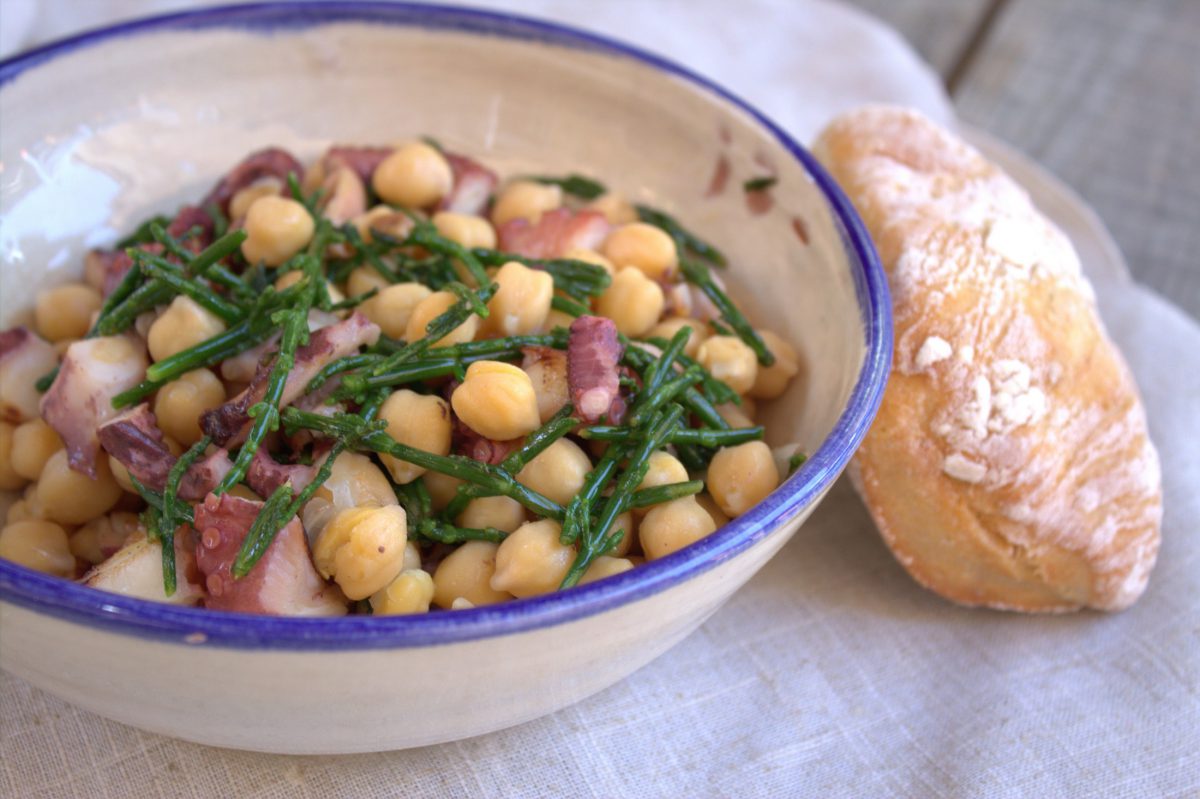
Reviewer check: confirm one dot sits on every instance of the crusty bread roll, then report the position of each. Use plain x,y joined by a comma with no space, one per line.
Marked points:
1009,465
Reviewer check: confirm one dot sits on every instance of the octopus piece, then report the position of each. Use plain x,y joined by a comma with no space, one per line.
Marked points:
134,438
485,450
363,161
270,163
24,359
344,196
136,570
93,372
104,269
282,583
229,423
593,355
473,186
188,218
267,474
556,233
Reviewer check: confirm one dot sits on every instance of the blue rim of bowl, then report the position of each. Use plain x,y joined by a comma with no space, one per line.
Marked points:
152,620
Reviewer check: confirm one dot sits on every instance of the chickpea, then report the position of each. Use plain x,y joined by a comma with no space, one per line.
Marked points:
31,507
522,302
101,537
524,199
69,497
121,474
730,360
38,545
673,525
239,204
548,374
466,574
532,561
605,566
10,478
65,312
709,504
496,401
179,404
363,279
667,329
184,324
417,420
412,557
442,488
503,513
741,476
461,603
771,381
362,549
416,175
591,257
386,220
633,301
644,246
354,481
664,469
555,319
32,445
393,306
616,209
243,491
469,231
558,471
678,300
289,279
430,308
735,415
410,592
19,511
276,229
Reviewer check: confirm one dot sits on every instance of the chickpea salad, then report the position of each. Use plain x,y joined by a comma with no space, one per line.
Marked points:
386,382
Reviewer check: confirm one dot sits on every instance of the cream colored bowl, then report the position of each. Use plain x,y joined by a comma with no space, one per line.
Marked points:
102,130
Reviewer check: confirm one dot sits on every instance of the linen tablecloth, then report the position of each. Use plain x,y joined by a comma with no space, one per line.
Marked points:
831,673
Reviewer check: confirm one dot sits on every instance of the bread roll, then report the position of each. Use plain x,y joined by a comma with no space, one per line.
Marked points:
1009,465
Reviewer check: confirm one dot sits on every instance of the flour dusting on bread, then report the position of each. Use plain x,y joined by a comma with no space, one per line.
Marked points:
1011,436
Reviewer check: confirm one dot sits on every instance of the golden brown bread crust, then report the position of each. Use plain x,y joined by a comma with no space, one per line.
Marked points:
1010,464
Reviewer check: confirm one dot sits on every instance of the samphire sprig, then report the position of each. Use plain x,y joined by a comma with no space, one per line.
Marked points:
698,275
535,443
294,322
580,279
172,513
492,479
584,188
134,294
685,240
469,302
594,539
284,503
153,292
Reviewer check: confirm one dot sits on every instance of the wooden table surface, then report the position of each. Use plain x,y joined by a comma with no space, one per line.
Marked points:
1103,93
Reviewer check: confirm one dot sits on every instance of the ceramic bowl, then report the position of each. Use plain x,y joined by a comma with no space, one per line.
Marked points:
101,130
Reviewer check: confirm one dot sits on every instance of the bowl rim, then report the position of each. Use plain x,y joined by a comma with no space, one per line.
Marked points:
146,619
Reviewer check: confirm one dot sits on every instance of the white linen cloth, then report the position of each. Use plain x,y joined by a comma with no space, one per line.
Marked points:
831,673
